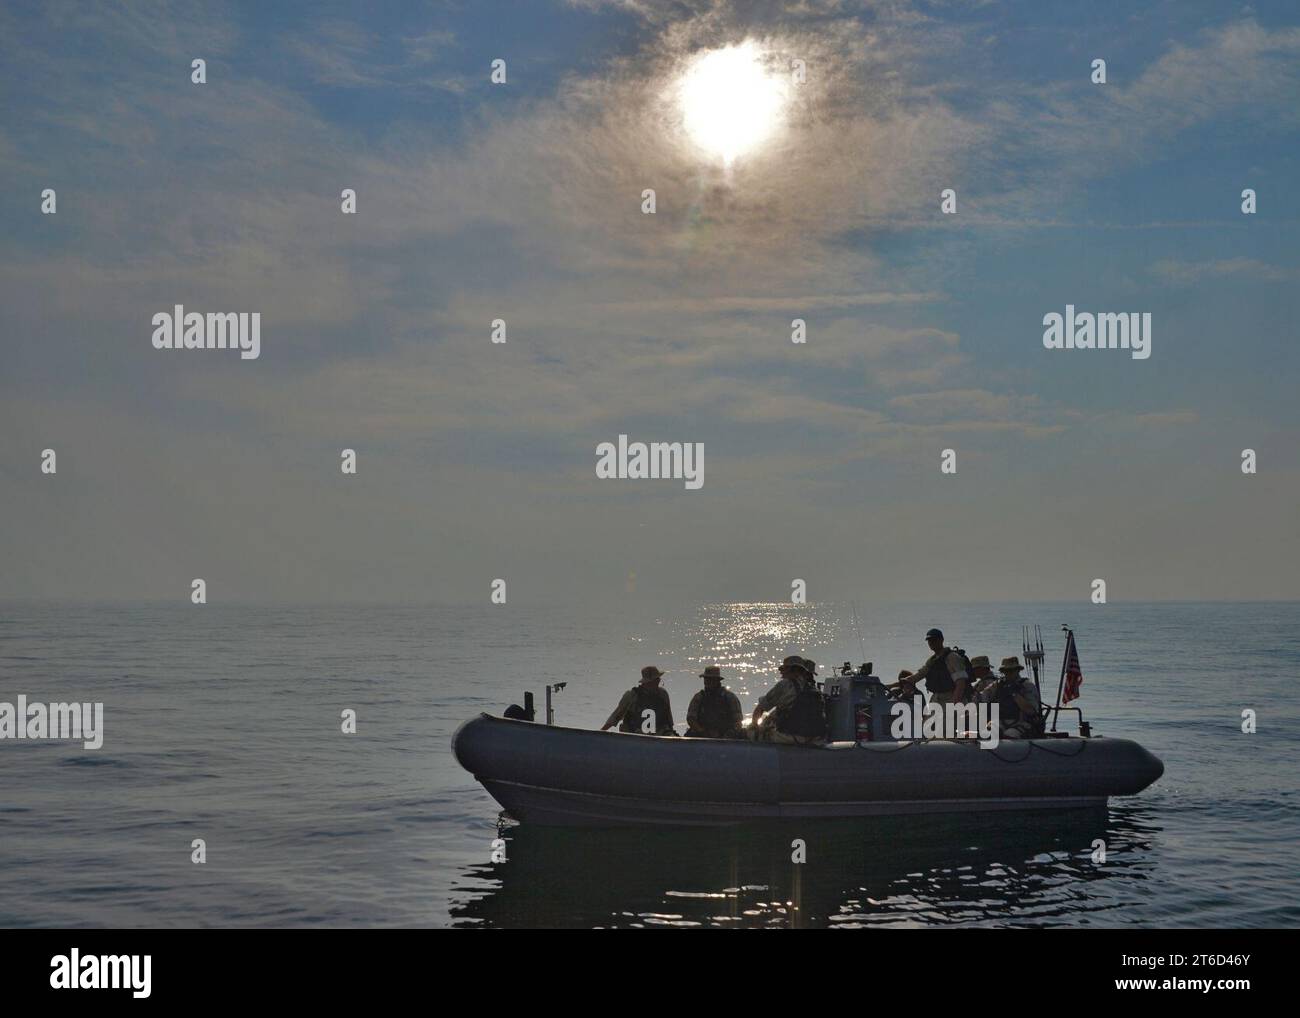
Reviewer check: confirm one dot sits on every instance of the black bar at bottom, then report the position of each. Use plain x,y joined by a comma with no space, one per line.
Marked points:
337,967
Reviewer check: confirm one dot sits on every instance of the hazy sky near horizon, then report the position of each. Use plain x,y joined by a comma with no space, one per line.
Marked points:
522,201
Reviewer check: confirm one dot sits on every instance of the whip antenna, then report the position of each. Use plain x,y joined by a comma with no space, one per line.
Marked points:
858,629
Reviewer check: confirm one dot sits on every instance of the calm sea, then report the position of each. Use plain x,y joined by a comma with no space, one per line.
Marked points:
223,723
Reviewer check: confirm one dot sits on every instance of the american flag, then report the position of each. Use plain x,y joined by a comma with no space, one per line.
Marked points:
1073,674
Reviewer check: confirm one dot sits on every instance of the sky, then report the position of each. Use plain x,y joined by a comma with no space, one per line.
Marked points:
522,201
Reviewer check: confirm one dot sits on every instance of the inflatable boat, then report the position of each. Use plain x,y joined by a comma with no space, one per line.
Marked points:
551,775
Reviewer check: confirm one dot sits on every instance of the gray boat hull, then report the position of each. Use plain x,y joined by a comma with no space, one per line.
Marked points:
576,777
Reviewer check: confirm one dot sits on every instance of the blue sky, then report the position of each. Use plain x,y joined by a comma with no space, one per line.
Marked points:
521,201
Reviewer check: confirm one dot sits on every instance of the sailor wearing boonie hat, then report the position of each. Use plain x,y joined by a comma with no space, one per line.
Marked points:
981,674
1019,705
795,711
630,714
715,711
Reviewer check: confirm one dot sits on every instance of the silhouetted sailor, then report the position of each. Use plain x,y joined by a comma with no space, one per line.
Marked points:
981,676
1020,714
644,706
715,711
944,671
794,709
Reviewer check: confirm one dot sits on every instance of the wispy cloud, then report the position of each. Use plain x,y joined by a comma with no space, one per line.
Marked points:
346,55
1184,273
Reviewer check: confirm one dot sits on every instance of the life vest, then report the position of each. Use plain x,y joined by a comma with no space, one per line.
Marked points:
806,716
1009,712
646,699
714,713
939,678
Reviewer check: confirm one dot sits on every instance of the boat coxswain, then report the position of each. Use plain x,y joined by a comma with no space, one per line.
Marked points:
944,671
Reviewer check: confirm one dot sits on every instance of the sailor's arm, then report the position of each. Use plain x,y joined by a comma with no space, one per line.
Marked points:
619,712
737,713
922,672
693,712
956,666
665,723
779,696
959,677
1027,700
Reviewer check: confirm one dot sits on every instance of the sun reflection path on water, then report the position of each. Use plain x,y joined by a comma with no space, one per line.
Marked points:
748,640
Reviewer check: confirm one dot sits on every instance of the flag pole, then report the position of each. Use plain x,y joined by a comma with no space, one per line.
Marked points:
1060,686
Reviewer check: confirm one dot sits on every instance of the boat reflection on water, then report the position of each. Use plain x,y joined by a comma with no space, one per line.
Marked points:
905,871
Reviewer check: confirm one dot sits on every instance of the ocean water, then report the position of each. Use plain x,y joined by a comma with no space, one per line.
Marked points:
223,723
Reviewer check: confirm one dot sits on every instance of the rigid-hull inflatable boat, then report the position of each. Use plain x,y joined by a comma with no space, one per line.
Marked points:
547,774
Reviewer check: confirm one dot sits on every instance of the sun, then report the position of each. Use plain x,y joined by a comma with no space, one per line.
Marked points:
730,102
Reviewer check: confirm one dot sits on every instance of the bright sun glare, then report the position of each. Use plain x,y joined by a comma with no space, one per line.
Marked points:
730,103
